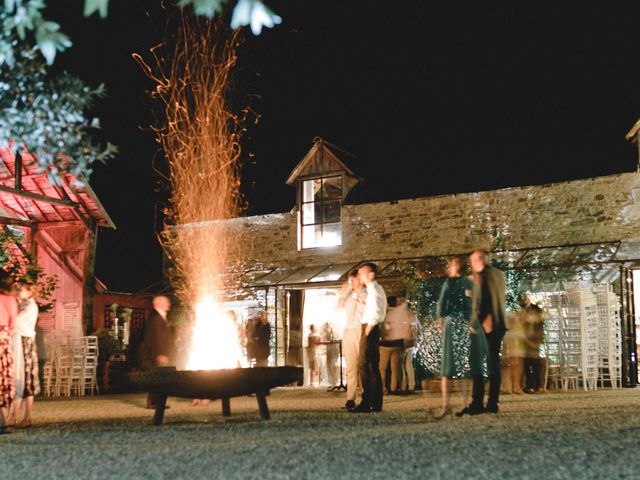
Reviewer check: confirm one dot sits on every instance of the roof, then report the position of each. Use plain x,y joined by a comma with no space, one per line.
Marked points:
28,197
319,160
632,135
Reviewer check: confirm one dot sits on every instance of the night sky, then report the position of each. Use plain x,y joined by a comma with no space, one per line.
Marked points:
432,97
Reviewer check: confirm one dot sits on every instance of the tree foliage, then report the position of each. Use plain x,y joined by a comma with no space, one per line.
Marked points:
23,21
48,117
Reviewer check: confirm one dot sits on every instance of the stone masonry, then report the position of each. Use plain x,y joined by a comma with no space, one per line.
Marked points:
582,211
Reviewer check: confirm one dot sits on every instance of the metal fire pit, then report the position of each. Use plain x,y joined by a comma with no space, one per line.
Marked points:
213,384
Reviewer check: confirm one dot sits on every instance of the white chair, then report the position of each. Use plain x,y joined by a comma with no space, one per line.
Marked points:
89,375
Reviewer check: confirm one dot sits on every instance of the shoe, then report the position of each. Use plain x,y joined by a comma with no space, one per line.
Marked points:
350,405
24,423
376,409
443,413
491,409
4,430
361,409
470,410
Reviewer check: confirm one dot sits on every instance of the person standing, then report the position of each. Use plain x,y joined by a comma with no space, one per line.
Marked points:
454,310
261,337
313,340
8,313
375,309
391,345
534,336
25,356
157,339
331,354
514,351
487,317
352,300
408,383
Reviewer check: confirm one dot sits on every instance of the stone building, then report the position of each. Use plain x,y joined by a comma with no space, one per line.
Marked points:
295,262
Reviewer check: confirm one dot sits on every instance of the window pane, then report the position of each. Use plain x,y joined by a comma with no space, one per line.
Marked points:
311,190
311,236
332,188
331,212
331,235
310,214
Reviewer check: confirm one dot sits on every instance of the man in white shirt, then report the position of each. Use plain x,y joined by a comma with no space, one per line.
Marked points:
375,309
352,299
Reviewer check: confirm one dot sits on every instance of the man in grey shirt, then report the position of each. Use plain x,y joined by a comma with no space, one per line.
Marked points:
352,300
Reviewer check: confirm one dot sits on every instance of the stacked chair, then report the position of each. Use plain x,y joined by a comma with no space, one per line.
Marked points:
71,366
609,337
582,335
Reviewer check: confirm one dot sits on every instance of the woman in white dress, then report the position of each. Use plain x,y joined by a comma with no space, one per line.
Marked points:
25,355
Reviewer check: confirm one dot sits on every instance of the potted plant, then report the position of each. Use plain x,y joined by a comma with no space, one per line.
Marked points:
107,347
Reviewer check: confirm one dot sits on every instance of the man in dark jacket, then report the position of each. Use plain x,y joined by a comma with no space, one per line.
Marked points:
157,339
261,337
488,307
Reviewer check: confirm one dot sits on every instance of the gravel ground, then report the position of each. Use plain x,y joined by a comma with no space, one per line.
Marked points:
557,435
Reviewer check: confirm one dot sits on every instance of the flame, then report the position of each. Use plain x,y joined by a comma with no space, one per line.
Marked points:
214,342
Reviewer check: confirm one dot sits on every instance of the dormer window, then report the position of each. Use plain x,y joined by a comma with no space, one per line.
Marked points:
320,220
322,181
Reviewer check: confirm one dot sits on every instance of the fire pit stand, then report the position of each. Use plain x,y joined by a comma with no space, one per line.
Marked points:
213,384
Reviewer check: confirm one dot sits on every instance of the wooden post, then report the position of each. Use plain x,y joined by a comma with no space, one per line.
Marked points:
158,416
226,407
262,405
89,288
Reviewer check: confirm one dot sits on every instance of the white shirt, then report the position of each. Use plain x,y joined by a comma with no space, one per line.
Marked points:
353,304
398,323
376,307
26,319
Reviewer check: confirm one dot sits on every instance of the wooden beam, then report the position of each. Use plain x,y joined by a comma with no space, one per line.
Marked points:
18,171
58,256
15,221
89,287
35,196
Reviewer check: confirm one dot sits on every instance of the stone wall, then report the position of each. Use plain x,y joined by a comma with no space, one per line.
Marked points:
581,211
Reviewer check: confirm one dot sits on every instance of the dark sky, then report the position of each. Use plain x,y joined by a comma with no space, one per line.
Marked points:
432,97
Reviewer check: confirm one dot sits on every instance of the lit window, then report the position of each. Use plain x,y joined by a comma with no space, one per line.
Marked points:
320,221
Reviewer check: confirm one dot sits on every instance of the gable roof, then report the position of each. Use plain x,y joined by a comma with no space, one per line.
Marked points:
633,134
28,197
320,160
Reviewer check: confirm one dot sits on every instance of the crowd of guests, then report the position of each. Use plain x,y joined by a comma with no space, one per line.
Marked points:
381,333
19,376
323,352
